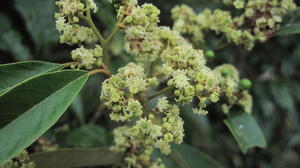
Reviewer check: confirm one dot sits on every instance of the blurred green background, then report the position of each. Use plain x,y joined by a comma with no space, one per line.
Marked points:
27,32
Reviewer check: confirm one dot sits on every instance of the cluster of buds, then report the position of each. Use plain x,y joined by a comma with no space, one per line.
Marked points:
88,58
145,40
73,32
259,20
158,130
121,91
68,18
234,90
182,69
190,76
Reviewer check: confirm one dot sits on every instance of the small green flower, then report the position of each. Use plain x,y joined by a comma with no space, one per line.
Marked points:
88,58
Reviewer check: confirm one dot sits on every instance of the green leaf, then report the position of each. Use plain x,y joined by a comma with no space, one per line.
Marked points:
86,102
33,107
67,158
245,130
39,20
11,40
186,156
291,23
292,28
14,73
88,136
282,95
77,108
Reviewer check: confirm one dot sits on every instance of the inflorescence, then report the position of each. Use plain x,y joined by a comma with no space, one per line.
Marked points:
257,20
165,57
73,32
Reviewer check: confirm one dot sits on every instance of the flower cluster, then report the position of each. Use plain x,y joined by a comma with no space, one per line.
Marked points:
144,39
233,92
258,21
67,21
20,161
186,23
190,76
73,32
147,46
160,128
88,58
181,67
121,91
184,70
145,16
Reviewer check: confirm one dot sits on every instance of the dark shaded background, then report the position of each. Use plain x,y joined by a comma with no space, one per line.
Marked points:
27,31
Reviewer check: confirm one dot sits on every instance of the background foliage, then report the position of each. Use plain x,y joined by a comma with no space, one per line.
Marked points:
27,29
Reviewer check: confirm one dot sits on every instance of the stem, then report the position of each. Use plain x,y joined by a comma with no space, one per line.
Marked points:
221,45
104,42
151,69
104,71
105,53
164,90
68,64
109,39
88,19
115,30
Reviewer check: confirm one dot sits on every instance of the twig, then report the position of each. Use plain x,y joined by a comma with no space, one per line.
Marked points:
88,19
68,64
221,45
95,71
167,89
115,30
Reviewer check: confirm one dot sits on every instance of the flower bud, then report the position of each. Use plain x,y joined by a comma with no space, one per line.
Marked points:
210,54
245,83
224,72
